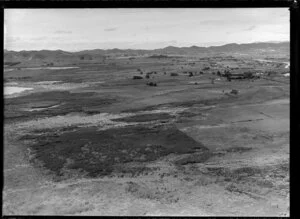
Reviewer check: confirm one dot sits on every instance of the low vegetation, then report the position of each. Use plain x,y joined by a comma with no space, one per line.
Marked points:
137,77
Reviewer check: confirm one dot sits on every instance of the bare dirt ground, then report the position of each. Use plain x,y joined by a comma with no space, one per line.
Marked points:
120,147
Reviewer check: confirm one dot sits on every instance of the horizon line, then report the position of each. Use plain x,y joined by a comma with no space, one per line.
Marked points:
274,42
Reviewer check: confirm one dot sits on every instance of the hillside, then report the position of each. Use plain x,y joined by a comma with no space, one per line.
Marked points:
46,57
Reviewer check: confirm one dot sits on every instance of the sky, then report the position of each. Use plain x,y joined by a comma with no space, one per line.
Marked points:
81,29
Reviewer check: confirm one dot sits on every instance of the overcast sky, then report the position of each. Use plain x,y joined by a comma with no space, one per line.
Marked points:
79,29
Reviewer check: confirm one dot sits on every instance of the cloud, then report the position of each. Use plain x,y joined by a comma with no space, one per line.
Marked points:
62,32
11,39
286,14
250,28
160,26
210,22
110,29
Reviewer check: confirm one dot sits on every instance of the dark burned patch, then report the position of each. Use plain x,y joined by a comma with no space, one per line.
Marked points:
42,104
189,103
147,108
69,102
46,133
146,117
46,96
188,114
99,152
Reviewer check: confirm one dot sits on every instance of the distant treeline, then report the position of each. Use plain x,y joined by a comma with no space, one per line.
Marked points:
161,56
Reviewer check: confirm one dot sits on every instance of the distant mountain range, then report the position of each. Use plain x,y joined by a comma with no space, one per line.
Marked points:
266,48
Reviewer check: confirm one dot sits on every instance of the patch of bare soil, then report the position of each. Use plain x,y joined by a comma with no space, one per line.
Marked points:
17,108
256,182
142,191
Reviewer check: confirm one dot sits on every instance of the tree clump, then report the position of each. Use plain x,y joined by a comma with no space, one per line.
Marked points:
153,84
137,77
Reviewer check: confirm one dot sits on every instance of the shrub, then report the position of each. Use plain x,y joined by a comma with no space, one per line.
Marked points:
248,75
151,84
137,77
227,74
234,92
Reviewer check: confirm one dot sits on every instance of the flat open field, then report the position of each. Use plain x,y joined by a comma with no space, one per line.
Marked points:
92,140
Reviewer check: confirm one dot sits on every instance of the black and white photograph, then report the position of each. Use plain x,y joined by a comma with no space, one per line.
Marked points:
146,112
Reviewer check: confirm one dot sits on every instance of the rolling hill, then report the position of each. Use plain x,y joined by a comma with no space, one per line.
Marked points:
58,56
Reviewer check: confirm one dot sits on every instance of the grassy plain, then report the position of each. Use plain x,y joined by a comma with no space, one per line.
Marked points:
93,141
